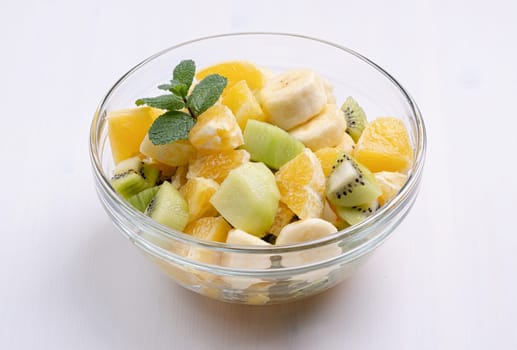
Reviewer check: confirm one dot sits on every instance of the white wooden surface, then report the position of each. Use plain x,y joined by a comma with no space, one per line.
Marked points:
445,280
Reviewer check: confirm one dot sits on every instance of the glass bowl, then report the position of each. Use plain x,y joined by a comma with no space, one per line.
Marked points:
256,274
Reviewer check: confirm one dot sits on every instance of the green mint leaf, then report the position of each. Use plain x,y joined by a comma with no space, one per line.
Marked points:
165,87
170,102
180,90
184,73
206,93
171,126
175,87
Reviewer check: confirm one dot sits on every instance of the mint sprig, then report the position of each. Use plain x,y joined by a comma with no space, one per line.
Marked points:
182,78
175,87
168,102
175,125
206,93
171,126
184,73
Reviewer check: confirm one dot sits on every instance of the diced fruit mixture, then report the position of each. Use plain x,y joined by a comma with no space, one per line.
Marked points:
232,154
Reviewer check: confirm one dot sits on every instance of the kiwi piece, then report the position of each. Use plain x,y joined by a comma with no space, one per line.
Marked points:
127,179
133,163
142,199
357,213
248,198
342,225
150,174
269,144
129,183
355,118
168,207
351,183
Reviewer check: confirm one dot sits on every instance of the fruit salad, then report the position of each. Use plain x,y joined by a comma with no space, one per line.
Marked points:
239,154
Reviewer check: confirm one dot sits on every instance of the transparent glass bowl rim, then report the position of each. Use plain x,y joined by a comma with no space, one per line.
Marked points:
353,232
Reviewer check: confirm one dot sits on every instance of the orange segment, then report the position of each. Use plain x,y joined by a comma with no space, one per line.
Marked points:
209,228
301,183
197,192
216,130
243,103
327,157
173,154
127,128
216,166
390,184
384,146
283,216
235,71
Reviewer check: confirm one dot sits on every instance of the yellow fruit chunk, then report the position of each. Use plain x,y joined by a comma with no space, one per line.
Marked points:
127,128
209,228
216,166
216,130
235,71
198,191
174,154
257,299
243,103
327,157
301,183
180,177
347,144
266,72
390,184
283,216
384,146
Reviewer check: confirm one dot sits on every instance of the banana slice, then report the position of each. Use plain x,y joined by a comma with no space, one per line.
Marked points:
237,236
293,97
329,91
245,261
324,130
305,230
240,260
